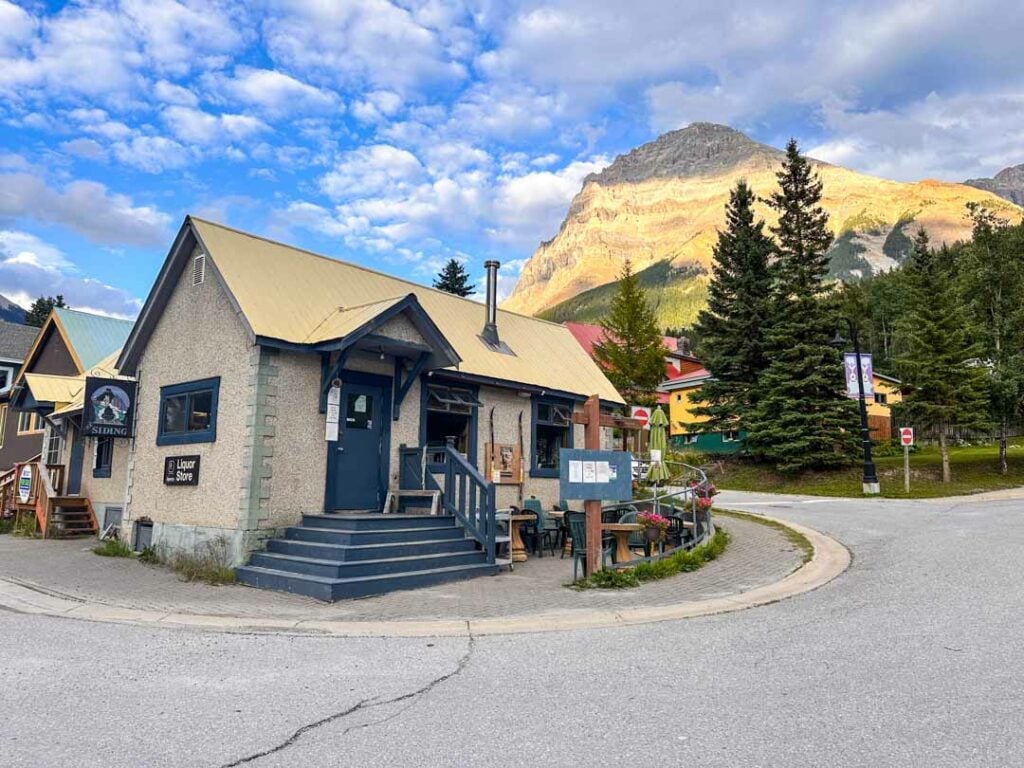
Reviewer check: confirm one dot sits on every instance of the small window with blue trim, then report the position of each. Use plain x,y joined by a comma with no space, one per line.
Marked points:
103,462
188,412
552,431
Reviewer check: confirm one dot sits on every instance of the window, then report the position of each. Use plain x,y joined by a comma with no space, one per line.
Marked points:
188,412
689,439
730,436
679,398
6,374
359,411
552,431
3,423
103,459
450,412
29,422
881,398
53,447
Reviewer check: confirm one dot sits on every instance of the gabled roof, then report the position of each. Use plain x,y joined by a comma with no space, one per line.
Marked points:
92,337
59,390
16,340
693,379
291,296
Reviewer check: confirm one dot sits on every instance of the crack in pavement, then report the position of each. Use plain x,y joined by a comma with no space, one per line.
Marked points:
364,704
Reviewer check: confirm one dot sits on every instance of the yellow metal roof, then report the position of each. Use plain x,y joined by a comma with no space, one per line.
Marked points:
53,389
293,295
105,368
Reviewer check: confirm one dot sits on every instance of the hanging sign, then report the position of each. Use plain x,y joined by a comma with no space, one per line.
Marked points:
850,365
181,470
25,483
108,407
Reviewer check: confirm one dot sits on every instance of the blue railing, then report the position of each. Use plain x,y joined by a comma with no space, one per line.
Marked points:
466,493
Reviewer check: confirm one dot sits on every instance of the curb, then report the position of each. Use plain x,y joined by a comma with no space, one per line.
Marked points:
830,560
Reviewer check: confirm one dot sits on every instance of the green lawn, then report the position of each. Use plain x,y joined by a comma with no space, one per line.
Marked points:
975,469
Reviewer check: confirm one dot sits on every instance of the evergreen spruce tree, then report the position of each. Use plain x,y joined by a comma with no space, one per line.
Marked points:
731,328
632,351
40,310
802,419
453,278
947,382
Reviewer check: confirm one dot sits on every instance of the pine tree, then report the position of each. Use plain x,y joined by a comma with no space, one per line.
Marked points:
40,310
946,381
731,328
801,419
453,278
632,352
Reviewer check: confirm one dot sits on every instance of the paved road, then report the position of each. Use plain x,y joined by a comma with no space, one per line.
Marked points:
913,657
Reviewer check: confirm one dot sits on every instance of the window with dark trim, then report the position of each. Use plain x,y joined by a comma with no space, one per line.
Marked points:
103,460
450,412
54,447
730,436
188,412
552,431
881,398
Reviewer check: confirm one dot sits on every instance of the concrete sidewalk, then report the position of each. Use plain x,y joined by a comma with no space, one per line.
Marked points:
66,578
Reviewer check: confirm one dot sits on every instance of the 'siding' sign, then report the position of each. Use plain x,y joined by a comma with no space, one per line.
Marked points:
181,470
108,408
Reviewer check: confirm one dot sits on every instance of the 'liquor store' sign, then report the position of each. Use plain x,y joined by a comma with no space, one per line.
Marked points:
181,470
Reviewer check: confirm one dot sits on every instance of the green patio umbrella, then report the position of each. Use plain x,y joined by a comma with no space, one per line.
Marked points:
658,472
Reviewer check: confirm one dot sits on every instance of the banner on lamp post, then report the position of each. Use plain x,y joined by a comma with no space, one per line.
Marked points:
850,365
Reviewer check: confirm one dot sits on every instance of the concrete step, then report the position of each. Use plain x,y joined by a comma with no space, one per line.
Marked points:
328,589
336,569
377,551
356,537
377,522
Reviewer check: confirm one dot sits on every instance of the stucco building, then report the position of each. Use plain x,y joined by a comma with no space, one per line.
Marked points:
274,383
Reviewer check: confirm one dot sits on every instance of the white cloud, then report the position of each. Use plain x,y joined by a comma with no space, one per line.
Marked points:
169,93
376,169
199,127
88,149
360,42
275,92
16,28
86,207
377,106
153,154
30,267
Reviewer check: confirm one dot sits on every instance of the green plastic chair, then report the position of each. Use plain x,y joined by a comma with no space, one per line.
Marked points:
545,529
577,522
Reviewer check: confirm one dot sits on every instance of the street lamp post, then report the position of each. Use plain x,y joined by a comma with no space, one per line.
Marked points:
870,483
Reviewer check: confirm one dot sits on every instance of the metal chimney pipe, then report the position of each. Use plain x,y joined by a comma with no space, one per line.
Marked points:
490,333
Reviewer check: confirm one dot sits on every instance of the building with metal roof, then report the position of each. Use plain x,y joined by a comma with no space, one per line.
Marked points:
275,382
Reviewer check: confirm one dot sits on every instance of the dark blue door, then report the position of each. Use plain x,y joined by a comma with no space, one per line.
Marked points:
357,462
75,465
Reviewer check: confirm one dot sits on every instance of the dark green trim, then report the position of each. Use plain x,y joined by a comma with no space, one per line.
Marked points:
535,401
208,435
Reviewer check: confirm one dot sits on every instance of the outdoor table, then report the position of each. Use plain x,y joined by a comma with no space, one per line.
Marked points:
517,548
622,532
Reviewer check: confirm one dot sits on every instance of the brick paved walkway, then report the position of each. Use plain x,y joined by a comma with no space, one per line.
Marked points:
758,555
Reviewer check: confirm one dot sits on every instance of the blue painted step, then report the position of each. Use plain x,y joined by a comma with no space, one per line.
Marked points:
335,569
322,550
338,556
327,589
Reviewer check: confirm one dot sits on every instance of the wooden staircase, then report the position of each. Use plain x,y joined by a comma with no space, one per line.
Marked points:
56,515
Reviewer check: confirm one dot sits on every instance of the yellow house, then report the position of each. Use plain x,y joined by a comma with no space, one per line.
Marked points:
683,398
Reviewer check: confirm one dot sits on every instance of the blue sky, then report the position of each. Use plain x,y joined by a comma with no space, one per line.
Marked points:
399,134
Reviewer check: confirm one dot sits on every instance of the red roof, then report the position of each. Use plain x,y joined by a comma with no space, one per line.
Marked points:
588,334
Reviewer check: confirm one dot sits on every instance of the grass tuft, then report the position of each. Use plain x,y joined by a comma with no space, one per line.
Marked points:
113,548
209,563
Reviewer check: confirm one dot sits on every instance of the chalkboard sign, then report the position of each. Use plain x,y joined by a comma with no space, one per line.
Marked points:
600,475
181,470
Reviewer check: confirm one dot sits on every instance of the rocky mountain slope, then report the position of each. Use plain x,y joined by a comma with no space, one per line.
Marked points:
1008,184
661,205
11,312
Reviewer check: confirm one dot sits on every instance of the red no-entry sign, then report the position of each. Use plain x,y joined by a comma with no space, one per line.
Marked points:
641,414
906,436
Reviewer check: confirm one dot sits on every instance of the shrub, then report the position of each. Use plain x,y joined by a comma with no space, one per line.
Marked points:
25,525
113,548
6,525
150,556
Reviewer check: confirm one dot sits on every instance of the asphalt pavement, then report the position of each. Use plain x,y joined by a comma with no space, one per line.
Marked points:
912,657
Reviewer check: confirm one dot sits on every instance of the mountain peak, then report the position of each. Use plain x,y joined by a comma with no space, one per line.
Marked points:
698,149
1008,184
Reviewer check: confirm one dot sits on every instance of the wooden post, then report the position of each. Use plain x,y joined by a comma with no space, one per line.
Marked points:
592,441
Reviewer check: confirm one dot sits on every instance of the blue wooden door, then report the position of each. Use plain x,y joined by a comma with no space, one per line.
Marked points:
74,483
357,462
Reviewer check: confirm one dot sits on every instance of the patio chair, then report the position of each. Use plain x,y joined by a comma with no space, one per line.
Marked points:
545,529
563,530
636,540
577,522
